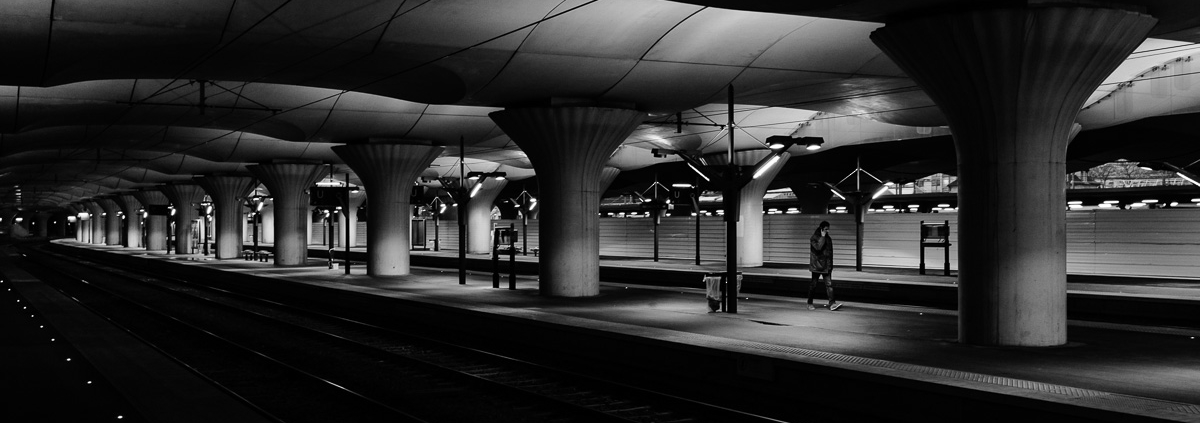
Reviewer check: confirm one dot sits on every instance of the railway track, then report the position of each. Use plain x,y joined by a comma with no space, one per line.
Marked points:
300,365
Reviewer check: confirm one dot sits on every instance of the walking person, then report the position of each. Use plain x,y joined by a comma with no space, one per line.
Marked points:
820,263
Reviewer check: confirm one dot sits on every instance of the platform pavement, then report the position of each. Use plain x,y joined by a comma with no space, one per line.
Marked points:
1082,283
1147,371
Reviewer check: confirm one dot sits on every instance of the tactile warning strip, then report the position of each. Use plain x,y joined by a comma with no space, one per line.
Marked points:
1083,397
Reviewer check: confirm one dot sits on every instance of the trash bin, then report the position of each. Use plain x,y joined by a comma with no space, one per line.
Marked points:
713,292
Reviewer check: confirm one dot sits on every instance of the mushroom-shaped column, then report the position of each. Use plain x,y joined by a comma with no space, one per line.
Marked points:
349,225
268,221
184,197
288,184
479,214
227,193
112,220
750,202
156,222
813,197
133,220
568,147
1011,83
95,222
388,172
82,230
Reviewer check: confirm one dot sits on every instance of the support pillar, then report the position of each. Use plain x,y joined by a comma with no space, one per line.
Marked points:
388,172
750,204
96,222
813,197
568,147
156,222
1010,83
349,223
288,184
112,221
268,222
479,215
133,219
227,193
184,197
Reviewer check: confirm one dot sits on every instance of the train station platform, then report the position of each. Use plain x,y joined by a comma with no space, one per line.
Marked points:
1109,371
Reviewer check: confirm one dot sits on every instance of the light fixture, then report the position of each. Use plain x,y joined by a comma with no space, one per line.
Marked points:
662,152
681,186
943,205
1075,203
1111,201
780,142
475,190
880,191
1150,201
1188,177
813,143
499,176
763,168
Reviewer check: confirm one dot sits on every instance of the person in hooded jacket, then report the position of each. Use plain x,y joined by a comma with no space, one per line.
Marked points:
821,264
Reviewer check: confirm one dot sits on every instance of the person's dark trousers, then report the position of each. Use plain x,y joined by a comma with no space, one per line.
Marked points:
816,279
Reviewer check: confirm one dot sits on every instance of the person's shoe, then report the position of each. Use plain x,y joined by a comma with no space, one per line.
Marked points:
811,307
835,306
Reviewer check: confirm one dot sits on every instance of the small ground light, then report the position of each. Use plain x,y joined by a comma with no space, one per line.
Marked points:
89,382
68,358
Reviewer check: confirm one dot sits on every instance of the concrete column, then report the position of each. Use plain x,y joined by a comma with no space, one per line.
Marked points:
479,215
227,193
268,222
96,222
350,221
388,172
112,221
568,147
156,223
288,184
308,225
750,203
607,176
1010,83
133,219
43,222
81,229
813,197
184,197
73,209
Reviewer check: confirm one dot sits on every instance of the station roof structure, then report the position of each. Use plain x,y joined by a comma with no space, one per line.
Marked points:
105,97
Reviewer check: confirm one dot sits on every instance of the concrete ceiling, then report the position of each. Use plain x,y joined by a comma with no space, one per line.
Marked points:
102,97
